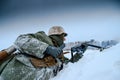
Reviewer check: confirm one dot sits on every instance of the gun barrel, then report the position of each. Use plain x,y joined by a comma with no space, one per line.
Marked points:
94,46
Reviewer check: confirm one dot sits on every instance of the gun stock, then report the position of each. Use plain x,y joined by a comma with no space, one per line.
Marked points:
6,52
3,55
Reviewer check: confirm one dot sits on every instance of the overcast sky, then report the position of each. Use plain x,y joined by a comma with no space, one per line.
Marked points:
82,20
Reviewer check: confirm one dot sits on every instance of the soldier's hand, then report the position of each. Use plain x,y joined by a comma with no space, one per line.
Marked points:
53,51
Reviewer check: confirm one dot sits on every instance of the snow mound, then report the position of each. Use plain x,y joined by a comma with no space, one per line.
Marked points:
94,65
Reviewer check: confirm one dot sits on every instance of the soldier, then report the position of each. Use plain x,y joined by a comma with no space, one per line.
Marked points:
39,57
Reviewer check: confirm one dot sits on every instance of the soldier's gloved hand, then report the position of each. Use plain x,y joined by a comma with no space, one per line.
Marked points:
53,51
79,48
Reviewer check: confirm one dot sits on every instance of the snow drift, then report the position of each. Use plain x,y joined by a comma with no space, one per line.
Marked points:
94,65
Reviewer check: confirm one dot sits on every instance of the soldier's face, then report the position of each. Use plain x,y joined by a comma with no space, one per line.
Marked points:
63,37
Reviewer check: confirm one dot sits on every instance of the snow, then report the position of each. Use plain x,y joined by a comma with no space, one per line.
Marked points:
94,65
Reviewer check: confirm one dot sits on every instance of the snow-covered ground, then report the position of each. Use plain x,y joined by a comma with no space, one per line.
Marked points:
94,65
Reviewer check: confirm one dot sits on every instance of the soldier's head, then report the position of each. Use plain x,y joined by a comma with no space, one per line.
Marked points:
57,30
57,34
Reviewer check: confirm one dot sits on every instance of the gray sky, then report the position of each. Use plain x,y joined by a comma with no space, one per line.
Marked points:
82,20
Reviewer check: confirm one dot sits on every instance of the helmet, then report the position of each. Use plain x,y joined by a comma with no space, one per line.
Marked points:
56,30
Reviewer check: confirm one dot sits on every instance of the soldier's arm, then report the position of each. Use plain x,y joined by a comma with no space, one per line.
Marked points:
31,46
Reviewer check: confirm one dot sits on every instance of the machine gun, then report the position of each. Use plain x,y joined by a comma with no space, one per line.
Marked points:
80,49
